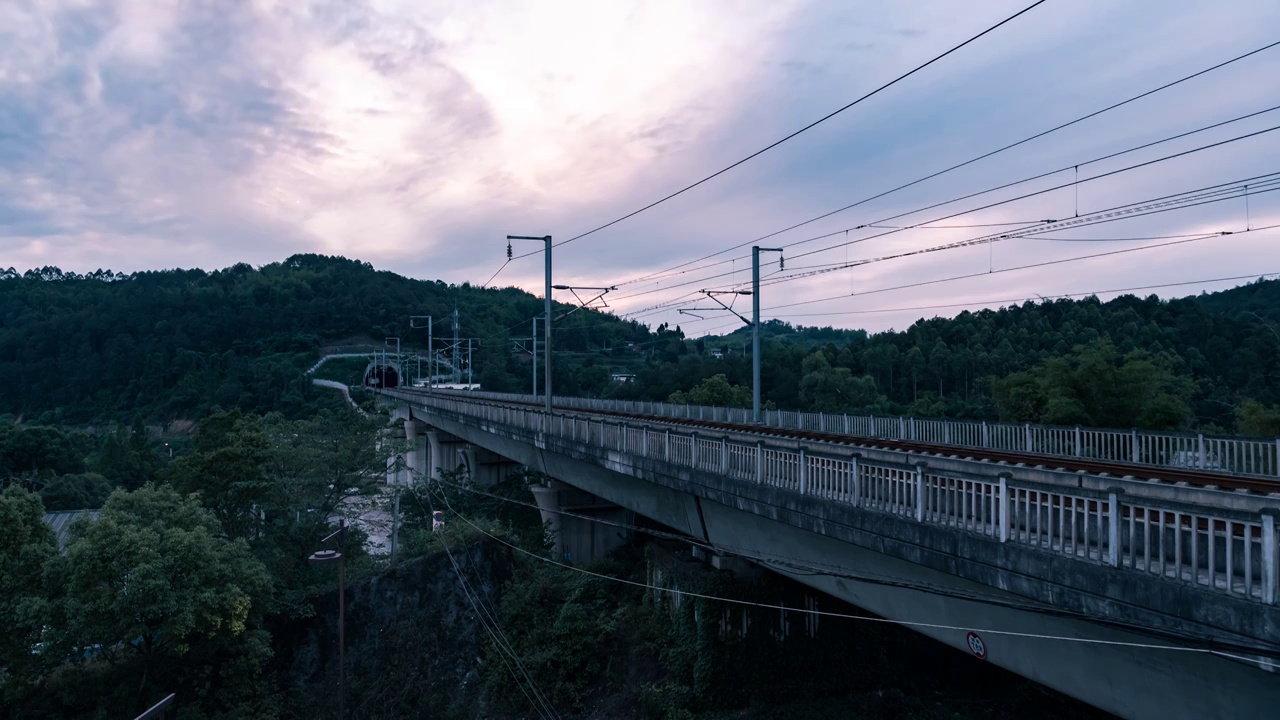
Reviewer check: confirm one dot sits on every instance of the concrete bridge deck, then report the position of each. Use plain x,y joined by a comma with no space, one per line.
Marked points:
1108,589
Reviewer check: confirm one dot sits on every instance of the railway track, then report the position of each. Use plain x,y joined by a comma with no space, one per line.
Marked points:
1196,478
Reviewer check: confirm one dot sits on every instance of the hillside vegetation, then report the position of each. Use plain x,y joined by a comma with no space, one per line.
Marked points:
176,343
179,343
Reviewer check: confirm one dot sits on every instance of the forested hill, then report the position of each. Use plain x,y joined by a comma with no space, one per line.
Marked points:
1209,362
174,343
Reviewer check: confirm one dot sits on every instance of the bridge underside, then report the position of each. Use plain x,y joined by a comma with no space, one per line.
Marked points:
872,571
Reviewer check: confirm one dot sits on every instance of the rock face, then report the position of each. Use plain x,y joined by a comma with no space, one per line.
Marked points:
414,643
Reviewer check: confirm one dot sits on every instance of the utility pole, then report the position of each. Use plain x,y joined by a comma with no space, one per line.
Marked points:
755,329
535,358
468,361
546,322
457,375
412,318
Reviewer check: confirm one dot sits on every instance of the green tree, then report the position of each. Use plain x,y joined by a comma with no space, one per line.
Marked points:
227,470
827,389
715,390
331,465
40,451
126,458
1254,418
915,362
85,491
153,579
27,545
1097,386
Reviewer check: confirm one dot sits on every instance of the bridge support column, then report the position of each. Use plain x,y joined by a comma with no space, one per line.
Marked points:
444,453
486,468
580,539
415,457
433,454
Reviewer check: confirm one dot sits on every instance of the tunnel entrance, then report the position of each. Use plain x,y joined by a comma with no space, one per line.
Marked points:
381,376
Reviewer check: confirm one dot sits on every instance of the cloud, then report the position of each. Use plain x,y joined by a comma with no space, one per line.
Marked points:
416,135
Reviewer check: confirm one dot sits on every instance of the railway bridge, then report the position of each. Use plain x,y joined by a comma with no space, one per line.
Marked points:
1134,571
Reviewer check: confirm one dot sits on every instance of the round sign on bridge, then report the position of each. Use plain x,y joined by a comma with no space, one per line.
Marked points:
976,646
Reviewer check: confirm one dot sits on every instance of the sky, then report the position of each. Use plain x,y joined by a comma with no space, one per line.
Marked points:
416,135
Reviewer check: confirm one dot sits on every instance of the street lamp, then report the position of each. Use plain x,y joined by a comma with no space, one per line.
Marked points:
546,324
328,557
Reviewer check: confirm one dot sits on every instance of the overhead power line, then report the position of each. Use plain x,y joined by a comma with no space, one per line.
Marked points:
1199,647
1075,183
489,621
805,566
1061,296
810,126
1021,267
948,216
978,158
1197,238
1128,212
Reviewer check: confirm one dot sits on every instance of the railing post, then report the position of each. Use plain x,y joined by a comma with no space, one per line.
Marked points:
693,448
1027,431
1269,555
1003,517
666,444
853,485
759,462
804,471
644,441
902,428
914,435
1133,434
986,439
846,424
1113,527
920,466
1077,441
724,455
1200,451
622,436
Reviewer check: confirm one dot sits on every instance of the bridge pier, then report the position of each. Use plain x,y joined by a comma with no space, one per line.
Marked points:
445,453
578,539
415,456
486,468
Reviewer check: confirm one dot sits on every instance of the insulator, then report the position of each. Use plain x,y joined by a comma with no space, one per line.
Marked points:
508,251
782,263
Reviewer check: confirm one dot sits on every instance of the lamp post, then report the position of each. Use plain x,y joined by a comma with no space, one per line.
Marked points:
328,557
546,323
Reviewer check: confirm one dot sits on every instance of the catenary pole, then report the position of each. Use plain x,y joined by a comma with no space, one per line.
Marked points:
755,329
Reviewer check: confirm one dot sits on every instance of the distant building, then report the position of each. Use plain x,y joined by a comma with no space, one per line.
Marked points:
716,353
623,377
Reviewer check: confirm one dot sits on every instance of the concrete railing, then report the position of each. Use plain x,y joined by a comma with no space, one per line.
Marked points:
1190,451
1228,547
